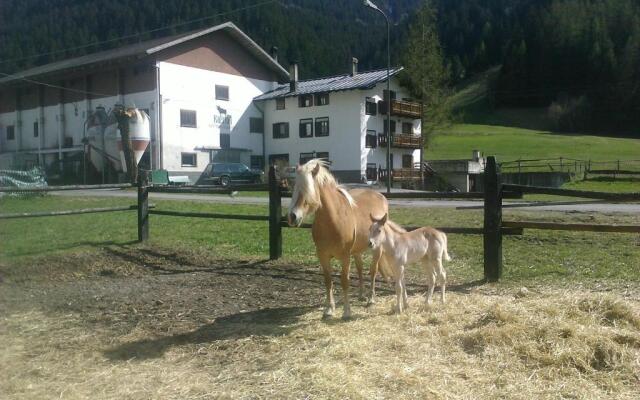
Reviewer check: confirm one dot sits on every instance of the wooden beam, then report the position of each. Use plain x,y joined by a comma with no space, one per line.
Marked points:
209,215
13,189
69,212
572,227
573,193
453,230
492,221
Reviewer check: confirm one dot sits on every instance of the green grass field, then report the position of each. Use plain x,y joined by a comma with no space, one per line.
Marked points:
537,255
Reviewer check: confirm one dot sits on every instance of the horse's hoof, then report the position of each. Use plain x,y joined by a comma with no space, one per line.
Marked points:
346,317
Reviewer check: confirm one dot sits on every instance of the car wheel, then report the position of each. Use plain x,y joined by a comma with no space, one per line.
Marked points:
224,181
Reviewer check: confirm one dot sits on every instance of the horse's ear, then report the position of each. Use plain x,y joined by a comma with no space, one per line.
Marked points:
373,219
384,219
316,170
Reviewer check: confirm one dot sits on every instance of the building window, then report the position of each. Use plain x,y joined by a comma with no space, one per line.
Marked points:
188,119
304,157
323,154
322,126
407,161
225,140
372,172
393,126
281,130
306,128
279,159
257,162
256,125
280,103
36,130
189,159
370,106
322,99
11,132
371,140
222,92
393,94
305,100
407,128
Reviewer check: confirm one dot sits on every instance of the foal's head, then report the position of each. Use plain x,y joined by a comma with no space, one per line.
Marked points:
306,197
377,235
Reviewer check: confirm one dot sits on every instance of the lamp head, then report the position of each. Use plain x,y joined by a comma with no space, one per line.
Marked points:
369,4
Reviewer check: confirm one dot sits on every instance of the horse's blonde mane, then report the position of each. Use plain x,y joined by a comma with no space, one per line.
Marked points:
322,178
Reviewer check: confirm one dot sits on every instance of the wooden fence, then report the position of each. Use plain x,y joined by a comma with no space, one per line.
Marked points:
493,229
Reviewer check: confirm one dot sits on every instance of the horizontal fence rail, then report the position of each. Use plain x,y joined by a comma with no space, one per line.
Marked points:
573,193
70,212
67,187
209,215
572,227
447,195
208,189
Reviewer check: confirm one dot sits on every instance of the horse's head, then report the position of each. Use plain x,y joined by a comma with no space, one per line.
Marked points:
306,198
377,235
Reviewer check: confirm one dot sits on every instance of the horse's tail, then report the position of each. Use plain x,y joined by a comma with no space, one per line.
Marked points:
445,252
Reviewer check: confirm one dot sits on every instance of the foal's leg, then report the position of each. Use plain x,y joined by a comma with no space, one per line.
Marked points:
442,278
330,305
359,266
344,278
431,278
399,272
377,254
405,299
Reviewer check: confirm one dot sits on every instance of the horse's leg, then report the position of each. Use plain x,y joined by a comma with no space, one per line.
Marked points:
399,271
442,277
344,278
431,278
373,271
359,265
330,305
405,299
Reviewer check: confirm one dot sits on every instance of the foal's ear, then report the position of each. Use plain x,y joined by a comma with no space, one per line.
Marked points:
384,219
316,170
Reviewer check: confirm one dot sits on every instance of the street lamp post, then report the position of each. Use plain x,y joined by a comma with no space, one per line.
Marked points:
369,4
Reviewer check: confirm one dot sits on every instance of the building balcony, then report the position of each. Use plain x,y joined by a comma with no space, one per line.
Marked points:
400,174
402,108
403,141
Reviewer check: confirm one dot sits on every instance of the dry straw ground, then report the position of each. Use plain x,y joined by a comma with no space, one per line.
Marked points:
129,324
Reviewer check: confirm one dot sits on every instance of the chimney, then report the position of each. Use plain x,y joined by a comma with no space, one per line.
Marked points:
475,155
354,66
293,76
274,53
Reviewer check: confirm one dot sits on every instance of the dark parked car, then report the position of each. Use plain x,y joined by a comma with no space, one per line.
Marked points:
227,173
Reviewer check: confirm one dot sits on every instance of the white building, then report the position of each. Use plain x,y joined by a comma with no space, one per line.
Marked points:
212,95
198,89
343,118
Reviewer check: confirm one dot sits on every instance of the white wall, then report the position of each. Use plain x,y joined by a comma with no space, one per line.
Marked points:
190,88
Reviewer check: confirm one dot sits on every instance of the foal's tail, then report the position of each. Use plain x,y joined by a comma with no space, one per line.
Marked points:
445,253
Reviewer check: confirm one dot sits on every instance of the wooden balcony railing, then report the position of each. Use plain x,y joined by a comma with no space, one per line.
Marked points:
401,141
400,174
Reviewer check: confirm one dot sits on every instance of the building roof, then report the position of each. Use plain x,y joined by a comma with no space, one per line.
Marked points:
149,47
362,80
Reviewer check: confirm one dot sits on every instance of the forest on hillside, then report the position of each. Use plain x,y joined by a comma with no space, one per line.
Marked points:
580,58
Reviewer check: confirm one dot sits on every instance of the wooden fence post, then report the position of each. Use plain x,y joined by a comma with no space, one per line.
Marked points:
143,205
492,221
275,215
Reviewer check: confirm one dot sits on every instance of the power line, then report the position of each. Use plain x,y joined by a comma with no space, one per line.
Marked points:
57,86
144,32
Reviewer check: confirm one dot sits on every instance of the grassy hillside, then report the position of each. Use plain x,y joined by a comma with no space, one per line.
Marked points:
510,143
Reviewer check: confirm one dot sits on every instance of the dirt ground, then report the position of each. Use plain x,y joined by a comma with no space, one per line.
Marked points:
131,322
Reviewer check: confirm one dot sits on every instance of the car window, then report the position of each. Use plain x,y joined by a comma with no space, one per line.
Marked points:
220,168
235,168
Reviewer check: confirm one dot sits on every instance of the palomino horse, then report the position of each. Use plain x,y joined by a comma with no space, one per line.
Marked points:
341,226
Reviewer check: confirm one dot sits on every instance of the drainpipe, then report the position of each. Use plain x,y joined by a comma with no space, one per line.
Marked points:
158,132
264,141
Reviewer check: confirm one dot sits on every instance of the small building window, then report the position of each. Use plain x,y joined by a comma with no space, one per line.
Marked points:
371,140
407,161
36,130
225,140
304,157
280,104
322,126
305,100
372,172
370,106
188,119
323,154
279,159
322,99
222,92
257,162
306,128
256,125
407,128
11,132
189,159
281,130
